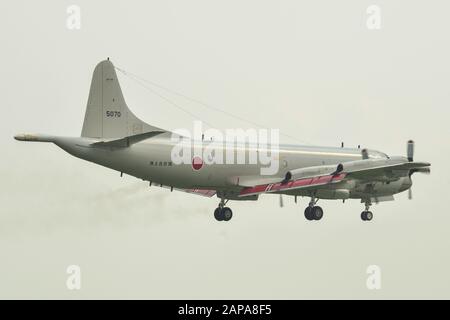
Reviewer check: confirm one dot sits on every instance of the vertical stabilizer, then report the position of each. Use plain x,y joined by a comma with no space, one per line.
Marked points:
107,114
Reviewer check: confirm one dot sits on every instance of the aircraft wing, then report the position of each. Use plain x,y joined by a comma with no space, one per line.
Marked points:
320,176
385,170
301,183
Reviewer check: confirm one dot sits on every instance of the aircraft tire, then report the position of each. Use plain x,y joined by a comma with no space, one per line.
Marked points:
227,214
317,213
218,214
308,213
366,215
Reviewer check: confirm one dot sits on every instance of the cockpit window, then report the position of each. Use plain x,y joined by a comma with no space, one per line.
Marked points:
377,155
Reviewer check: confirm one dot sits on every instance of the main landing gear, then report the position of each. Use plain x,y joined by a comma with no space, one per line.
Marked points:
313,212
367,215
223,213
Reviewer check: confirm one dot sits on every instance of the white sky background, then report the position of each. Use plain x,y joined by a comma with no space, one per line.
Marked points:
311,69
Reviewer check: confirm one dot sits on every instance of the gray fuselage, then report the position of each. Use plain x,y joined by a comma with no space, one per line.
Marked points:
151,160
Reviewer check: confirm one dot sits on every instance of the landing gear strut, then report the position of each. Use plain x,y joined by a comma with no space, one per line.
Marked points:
223,213
367,215
313,212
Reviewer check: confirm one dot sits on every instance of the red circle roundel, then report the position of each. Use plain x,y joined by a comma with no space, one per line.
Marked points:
197,163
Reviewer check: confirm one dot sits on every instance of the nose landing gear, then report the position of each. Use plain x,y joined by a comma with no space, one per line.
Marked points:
367,215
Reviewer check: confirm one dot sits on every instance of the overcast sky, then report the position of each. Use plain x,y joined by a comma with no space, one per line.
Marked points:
310,68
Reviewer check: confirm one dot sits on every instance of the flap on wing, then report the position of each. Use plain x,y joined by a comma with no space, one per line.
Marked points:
292,185
127,141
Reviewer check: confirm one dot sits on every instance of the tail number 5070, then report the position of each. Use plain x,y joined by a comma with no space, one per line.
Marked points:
113,114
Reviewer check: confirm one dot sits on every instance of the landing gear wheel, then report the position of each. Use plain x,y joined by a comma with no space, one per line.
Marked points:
223,214
317,213
227,214
313,213
309,214
218,214
366,215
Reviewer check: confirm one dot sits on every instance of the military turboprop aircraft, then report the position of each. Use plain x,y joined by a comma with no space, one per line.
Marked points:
112,136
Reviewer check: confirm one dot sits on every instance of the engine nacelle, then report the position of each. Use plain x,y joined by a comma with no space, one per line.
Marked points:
309,172
333,194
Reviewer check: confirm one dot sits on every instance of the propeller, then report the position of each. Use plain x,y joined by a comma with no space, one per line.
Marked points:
410,150
410,155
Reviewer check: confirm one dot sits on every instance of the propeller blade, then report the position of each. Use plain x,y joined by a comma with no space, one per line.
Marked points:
281,201
410,150
365,154
409,193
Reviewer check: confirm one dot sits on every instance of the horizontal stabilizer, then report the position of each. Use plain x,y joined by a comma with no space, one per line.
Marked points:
127,141
34,137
